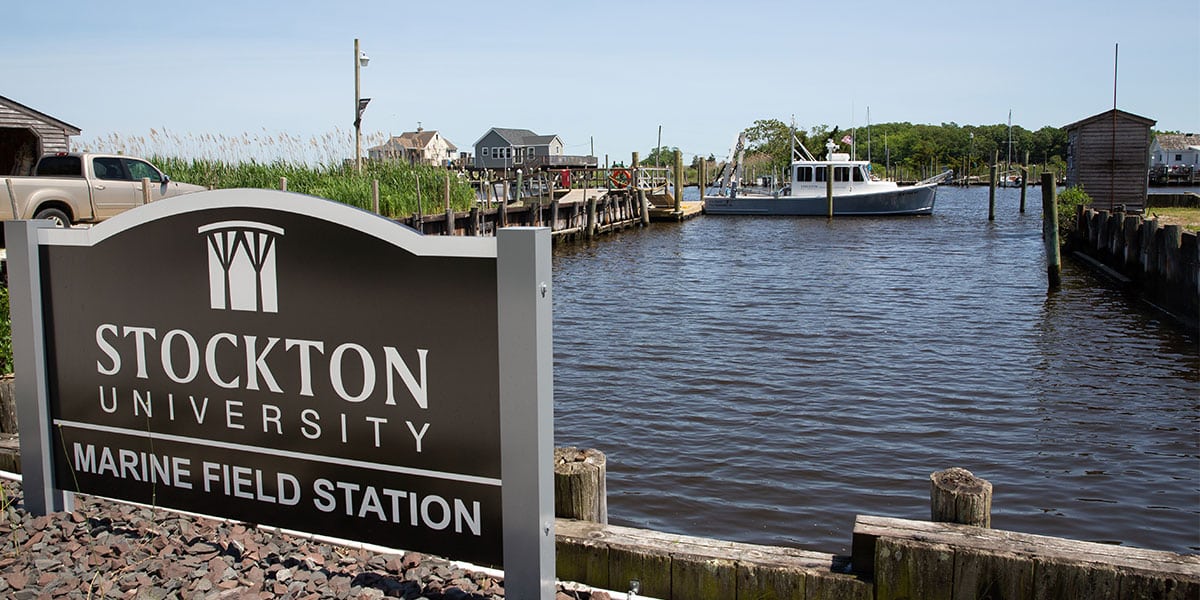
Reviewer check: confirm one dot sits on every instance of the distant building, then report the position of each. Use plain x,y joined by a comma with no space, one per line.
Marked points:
1108,156
26,134
1175,150
502,148
418,147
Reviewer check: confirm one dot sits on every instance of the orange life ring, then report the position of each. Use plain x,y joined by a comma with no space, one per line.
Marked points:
620,178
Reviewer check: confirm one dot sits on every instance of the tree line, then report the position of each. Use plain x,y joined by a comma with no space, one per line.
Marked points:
916,148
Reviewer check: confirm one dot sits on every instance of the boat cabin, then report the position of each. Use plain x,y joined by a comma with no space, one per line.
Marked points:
810,174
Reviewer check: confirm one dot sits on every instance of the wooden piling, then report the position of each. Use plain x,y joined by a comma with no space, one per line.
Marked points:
580,488
678,182
591,218
420,217
829,190
957,496
992,187
1024,180
375,196
1050,230
1024,184
446,192
283,184
147,196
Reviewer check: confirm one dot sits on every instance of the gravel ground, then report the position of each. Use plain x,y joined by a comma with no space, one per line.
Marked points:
108,549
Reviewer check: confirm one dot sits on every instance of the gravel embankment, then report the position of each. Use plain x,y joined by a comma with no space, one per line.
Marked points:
112,550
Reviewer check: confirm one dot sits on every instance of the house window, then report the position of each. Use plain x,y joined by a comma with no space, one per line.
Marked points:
508,152
483,151
1178,157
495,153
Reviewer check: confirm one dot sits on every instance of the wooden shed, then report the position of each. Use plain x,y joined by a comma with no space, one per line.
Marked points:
1108,155
26,134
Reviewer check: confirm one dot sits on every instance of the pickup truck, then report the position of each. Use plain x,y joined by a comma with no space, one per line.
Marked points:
71,187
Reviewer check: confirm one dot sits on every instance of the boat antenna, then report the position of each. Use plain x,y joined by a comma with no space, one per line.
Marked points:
868,138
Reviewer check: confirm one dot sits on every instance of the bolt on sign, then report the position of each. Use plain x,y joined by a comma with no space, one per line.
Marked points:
289,361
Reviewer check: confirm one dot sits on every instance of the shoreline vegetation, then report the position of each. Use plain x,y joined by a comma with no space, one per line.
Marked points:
314,166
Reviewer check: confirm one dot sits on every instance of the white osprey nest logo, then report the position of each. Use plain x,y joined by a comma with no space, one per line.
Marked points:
241,266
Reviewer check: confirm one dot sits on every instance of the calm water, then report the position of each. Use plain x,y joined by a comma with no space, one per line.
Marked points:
766,379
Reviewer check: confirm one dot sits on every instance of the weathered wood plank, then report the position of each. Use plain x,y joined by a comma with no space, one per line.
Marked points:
1057,578
1030,544
740,570
991,574
770,582
1134,585
907,569
583,560
649,566
699,577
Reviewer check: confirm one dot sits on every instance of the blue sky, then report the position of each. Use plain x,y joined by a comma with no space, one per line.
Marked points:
612,71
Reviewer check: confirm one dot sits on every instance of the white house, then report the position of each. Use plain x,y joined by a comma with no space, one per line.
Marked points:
1174,151
418,147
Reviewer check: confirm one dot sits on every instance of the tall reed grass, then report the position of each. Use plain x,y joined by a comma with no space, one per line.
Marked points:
315,166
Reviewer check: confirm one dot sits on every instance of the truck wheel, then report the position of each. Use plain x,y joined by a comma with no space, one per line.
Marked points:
53,214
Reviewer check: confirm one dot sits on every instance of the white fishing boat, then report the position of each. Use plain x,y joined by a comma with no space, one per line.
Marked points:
855,191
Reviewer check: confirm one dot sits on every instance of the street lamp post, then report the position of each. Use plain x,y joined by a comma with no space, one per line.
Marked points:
360,103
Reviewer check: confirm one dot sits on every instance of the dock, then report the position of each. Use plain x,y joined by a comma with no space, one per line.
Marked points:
577,203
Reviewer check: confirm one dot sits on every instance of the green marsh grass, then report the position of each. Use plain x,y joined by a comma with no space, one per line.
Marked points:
314,166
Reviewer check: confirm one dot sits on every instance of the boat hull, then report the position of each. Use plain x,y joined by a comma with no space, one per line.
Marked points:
913,200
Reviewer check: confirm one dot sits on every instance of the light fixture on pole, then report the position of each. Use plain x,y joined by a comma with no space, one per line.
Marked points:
360,104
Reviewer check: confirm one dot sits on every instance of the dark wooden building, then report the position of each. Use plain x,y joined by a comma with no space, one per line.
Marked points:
26,134
1108,156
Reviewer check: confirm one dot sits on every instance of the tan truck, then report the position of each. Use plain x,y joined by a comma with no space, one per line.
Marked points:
71,187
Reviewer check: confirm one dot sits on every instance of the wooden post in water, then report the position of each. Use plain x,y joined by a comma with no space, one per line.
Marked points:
1024,180
957,496
580,488
1050,229
829,190
678,182
992,187
147,196
375,195
591,217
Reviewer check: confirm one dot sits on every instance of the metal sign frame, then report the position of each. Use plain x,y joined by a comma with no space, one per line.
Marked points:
523,300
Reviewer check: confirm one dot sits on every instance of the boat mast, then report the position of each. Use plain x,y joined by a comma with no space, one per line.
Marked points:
868,139
792,138
1008,165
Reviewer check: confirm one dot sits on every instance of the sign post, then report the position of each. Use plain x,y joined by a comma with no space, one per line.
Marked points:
252,354
527,416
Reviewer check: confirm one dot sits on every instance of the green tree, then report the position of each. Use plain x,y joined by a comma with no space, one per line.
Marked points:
663,156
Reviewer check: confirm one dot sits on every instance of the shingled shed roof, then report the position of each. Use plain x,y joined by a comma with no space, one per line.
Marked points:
1177,141
1108,114
39,115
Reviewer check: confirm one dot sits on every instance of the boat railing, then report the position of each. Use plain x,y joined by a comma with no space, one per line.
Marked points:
936,179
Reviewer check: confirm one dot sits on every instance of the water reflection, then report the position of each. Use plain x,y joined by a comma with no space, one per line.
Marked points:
765,380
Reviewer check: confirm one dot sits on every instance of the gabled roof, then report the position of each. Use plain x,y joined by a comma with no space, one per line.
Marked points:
518,137
1108,114
69,128
1176,141
414,140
